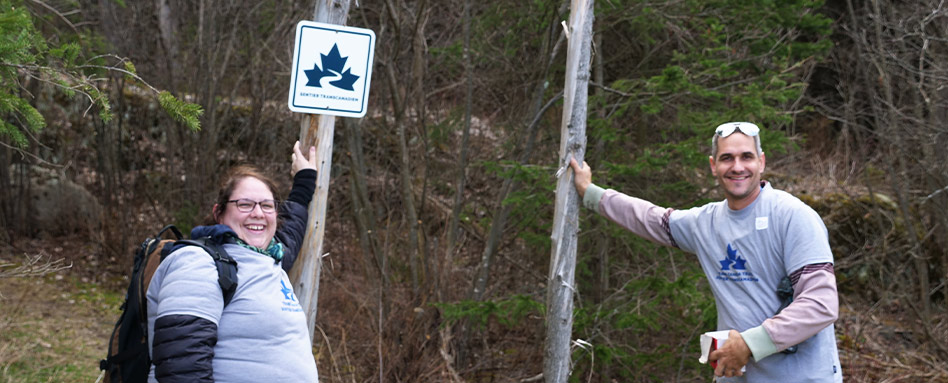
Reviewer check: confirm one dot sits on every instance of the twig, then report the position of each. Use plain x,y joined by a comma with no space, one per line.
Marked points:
61,16
332,358
32,267
445,340
942,350
936,192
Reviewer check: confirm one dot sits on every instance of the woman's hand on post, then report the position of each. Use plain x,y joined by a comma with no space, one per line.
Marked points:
300,161
582,176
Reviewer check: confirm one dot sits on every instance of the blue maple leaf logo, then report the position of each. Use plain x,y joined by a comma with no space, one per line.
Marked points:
287,292
733,260
334,67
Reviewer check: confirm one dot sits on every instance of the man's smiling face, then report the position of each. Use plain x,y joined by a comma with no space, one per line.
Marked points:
737,166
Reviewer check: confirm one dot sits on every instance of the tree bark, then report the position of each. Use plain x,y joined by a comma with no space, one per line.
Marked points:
561,286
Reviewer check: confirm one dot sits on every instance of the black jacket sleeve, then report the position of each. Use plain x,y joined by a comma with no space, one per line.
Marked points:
183,349
294,213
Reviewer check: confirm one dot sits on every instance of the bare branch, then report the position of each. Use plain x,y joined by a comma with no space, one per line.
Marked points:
35,265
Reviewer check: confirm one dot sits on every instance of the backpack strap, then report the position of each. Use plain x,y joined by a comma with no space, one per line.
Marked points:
174,230
226,266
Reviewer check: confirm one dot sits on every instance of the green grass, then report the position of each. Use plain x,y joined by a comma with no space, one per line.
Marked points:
54,328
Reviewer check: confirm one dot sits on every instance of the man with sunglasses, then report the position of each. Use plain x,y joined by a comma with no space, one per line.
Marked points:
746,245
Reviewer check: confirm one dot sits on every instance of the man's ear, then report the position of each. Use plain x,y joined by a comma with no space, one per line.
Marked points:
714,172
763,161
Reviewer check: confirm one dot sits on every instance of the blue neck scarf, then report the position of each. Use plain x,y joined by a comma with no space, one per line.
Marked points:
221,233
274,250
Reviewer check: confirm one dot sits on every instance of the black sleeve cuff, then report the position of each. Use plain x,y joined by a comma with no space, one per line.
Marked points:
304,185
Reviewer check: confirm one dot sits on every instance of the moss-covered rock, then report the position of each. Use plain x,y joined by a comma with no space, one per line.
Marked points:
868,239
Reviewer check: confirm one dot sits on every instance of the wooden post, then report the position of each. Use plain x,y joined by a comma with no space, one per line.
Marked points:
559,300
316,130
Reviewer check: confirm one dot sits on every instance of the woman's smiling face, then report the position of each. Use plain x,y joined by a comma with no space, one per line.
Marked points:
256,227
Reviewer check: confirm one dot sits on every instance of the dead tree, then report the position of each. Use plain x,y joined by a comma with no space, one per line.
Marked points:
561,286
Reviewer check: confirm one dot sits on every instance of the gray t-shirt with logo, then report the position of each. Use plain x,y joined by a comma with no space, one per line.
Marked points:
745,254
262,335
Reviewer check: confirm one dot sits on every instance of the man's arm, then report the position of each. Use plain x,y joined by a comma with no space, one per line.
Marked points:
815,306
639,216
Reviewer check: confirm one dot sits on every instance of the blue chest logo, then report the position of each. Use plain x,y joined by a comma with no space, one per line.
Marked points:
289,303
287,292
734,268
732,261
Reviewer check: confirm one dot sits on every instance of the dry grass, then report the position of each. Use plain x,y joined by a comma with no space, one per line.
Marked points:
53,328
882,343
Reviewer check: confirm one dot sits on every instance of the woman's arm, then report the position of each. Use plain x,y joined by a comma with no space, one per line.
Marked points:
185,304
294,212
183,349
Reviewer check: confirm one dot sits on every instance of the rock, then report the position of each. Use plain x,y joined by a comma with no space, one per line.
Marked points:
54,204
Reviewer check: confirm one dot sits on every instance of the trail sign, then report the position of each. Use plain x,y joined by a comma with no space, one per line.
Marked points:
332,69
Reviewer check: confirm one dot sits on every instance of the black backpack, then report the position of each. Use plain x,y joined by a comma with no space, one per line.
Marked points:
128,360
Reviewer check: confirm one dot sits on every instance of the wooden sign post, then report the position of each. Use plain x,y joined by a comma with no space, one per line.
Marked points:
323,72
559,299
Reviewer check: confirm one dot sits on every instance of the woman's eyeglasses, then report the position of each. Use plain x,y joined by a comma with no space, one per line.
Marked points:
245,205
727,128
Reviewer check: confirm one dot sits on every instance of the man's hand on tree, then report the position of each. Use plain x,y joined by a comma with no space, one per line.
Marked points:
582,176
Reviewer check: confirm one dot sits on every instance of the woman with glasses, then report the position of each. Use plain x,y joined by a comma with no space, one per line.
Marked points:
262,333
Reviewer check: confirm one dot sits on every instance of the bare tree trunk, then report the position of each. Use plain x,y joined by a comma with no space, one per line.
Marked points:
166,33
465,138
561,286
316,130
497,226
897,175
405,177
362,209
448,264
400,97
419,65
500,217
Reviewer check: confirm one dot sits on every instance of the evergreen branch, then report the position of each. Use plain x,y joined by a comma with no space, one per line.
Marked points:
124,71
185,112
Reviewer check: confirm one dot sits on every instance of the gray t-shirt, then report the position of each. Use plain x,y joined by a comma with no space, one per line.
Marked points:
745,254
262,335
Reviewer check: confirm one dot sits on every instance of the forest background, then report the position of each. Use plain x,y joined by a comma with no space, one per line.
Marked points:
120,117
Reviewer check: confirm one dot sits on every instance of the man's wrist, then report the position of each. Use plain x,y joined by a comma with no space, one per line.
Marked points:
592,196
759,342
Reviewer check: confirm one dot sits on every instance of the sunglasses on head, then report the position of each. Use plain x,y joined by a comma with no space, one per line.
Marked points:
727,128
